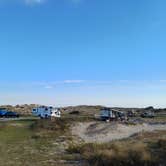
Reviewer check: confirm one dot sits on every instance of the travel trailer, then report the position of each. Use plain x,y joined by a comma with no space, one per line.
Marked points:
46,112
108,114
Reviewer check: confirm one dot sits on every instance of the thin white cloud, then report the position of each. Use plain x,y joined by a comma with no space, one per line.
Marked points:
138,93
27,2
73,81
48,87
163,81
76,1
34,2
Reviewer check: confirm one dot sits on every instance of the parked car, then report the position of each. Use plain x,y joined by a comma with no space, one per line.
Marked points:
10,114
147,115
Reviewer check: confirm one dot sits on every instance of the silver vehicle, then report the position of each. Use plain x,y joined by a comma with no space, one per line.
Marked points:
148,115
111,114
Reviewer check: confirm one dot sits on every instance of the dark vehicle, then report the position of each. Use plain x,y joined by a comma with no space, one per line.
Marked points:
121,116
10,114
131,113
147,115
2,113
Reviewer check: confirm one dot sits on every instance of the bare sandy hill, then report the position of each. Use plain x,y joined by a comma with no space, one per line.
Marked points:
104,132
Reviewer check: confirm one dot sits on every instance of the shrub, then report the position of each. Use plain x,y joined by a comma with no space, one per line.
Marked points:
74,113
47,124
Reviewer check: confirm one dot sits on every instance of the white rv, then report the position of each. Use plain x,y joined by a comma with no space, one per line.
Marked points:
46,112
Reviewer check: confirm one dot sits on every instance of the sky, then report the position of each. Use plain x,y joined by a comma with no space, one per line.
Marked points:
75,52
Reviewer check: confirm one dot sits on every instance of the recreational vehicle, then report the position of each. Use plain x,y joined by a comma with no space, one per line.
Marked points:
46,112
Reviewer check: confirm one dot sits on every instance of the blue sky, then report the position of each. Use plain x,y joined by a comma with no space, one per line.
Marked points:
71,52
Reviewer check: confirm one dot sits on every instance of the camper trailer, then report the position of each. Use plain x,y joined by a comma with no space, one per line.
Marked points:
108,114
46,112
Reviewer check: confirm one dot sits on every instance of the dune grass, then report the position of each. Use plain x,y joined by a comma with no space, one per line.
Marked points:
129,152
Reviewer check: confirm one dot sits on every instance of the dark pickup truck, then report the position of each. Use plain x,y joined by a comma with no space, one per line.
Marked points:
2,113
8,114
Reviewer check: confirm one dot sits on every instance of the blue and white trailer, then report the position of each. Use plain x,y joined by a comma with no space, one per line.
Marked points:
46,112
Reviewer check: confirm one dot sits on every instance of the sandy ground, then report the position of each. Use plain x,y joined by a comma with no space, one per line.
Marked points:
104,132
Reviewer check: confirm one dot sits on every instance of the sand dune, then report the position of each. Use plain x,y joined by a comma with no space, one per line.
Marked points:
105,132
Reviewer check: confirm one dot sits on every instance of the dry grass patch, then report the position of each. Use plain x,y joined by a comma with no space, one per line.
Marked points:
122,153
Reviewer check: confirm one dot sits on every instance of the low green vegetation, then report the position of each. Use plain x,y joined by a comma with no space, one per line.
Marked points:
32,142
